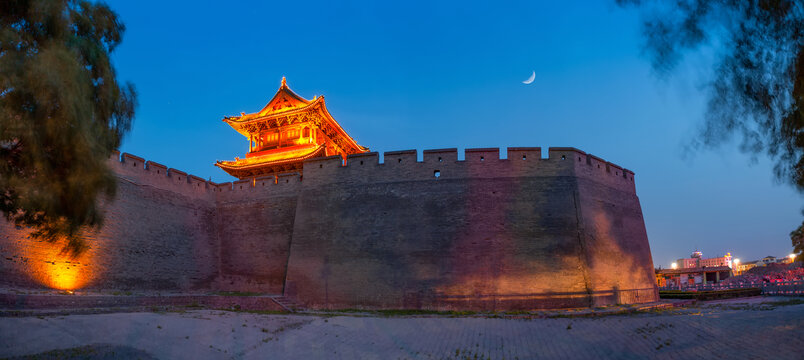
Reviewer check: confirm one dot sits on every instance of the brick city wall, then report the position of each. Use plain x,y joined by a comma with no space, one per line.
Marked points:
255,225
159,234
481,233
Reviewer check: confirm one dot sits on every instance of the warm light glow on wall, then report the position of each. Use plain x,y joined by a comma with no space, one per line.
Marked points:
48,265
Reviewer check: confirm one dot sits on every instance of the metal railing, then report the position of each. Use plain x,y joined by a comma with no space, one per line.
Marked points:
791,288
635,296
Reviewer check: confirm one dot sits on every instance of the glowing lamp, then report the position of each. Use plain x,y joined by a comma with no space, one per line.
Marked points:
792,257
674,266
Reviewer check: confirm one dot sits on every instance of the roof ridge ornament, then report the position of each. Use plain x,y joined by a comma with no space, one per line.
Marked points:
284,82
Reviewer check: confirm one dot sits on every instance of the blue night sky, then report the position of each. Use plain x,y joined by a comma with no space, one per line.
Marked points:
427,75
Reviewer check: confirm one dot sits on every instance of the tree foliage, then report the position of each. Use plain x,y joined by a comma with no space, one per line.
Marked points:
797,236
757,91
62,113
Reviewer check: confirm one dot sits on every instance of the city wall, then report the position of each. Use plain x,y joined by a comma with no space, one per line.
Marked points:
482,233
479,233
159,234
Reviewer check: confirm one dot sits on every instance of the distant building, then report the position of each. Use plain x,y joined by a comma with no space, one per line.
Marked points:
696,260
692,276
743,267
768,260
696,270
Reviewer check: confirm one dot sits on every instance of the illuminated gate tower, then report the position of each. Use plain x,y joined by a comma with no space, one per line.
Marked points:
287,131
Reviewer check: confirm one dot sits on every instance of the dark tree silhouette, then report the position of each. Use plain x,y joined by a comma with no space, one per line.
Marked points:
62,113
757,91
797,236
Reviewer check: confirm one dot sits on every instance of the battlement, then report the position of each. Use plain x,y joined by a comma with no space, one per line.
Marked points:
258,188
143,172
443,164
423,234
436,164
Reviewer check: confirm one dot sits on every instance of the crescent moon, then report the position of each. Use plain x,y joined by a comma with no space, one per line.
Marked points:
530,79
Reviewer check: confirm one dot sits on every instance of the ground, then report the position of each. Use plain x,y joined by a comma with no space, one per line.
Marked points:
740,328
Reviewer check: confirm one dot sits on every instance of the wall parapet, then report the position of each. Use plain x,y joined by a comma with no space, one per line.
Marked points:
402,165
150,173
441,164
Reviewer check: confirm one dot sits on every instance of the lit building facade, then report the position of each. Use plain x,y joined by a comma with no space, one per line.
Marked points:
696,260
696,270
743,267
768,260
285,133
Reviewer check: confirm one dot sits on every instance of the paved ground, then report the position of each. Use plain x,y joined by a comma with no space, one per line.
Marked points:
737,329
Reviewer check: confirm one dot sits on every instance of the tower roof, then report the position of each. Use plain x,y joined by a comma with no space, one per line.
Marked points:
286,107
285,132
280,160
284,100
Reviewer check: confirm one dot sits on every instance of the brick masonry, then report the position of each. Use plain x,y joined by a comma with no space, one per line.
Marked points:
480,233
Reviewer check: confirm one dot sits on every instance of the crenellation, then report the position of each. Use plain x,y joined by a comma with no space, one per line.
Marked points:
288,179
177,175
607,173
146,172
400,158
441,164
596,162
367,158
223,186
334,161
132,168
322,170
524,153
564,153
613,168
156,168
256,189
437,164
440,156
239,185
192,179
199,185
134,160
628,174
481,154
265,181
